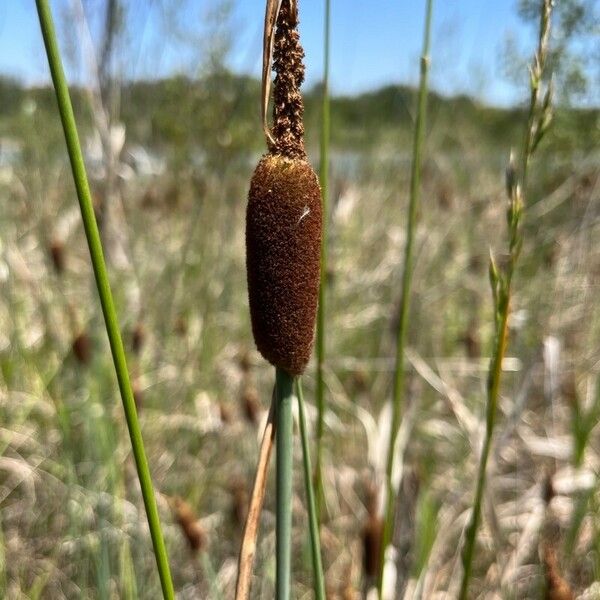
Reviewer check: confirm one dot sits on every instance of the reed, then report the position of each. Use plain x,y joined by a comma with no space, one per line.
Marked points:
313,515
104,291
324,179
538,121
398,391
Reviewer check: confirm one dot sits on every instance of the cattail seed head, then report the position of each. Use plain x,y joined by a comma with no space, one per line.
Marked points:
138,337
181,326
372,533
188,522
239,501
225,413
283,245
82,348
57,253
245,361
371,538
250,404
557,587
283,218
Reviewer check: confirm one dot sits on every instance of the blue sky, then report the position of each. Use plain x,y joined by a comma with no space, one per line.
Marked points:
374,42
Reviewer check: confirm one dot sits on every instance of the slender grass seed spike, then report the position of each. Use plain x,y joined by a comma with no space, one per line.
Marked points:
283,218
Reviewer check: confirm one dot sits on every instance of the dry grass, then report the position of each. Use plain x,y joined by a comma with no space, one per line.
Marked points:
68,495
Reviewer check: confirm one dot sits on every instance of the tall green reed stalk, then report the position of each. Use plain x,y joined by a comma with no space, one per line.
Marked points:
398,390
324,180
106,300
313,516
538,120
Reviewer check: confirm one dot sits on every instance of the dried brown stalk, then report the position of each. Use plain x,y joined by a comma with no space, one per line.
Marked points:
248,548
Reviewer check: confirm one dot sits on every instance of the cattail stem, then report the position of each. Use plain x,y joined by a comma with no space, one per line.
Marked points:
285,445
324,180
415,187
104,291
313,517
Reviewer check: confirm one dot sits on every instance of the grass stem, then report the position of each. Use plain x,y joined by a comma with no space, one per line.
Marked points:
492,401
398,391
324,180
104,291
538,120
313,519
285,445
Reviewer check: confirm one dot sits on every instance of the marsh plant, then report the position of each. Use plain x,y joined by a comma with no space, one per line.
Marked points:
283,250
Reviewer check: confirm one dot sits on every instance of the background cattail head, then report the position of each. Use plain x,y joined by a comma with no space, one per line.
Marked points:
239,501
283,219
245,361
138,336
557,587
181,326
225,413
57,254
82,347
188,522
371,536
372,533
250,403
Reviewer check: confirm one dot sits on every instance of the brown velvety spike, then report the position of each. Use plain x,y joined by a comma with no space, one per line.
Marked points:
57,253
371,537
190,527
283,249
82,348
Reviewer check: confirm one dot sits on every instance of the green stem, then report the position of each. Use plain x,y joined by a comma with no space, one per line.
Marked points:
492,403
415,186
502,290
102,283
324,180
285,446
313,519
